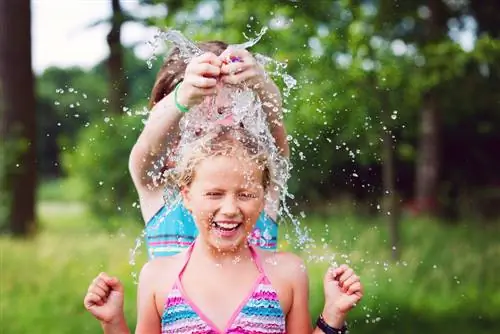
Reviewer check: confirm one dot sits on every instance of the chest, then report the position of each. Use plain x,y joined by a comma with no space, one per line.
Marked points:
224,303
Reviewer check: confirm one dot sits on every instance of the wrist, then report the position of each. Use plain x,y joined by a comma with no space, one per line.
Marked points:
334,318
115,322
181,98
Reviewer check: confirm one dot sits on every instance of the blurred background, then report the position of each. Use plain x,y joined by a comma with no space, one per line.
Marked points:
393,125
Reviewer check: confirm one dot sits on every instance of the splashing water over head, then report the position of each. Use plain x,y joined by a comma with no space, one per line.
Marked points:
236,107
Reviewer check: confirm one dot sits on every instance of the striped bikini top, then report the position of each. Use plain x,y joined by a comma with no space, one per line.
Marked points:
259,312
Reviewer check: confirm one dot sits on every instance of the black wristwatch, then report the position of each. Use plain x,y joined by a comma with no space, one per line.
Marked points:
327,329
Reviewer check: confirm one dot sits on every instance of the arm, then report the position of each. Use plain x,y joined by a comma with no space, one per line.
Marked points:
342,291
298,319
148,318
272,103
240,67
162,128
119,327
104,300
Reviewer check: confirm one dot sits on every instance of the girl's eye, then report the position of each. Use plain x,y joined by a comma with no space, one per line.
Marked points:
247,195
213,194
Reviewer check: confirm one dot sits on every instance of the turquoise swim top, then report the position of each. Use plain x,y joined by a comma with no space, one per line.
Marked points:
169,232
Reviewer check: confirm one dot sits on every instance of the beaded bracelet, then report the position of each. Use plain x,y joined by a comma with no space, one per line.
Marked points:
179,106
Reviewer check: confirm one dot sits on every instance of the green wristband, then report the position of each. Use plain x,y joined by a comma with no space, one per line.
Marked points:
179,106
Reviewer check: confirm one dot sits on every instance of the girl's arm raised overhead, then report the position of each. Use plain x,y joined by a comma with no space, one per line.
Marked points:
162,128
241,67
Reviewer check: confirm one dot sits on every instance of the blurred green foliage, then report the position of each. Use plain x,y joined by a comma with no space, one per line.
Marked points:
362,68
99,162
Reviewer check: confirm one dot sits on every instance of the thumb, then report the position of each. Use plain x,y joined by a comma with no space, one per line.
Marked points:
115,284
330,274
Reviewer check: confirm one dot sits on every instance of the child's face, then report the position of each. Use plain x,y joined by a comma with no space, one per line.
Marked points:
225,197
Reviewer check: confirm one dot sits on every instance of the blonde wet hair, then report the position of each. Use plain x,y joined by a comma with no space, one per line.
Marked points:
221,140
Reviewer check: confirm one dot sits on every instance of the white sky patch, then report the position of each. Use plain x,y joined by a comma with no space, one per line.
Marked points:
62,37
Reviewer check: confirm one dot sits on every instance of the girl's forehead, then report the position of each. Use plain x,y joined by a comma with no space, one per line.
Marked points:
225,163
226,167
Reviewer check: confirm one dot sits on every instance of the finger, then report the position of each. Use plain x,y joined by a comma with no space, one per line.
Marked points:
115,284
208,57
234,68
98,291
353,288
102,283
348,273
234,54
337,271
102,276
236,79
206,69
349,281
91,299
201,82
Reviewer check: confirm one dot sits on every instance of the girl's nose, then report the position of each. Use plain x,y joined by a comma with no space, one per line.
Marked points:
229,206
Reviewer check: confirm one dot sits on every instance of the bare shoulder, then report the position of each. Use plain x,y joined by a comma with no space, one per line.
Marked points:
286,271
283,265
162,269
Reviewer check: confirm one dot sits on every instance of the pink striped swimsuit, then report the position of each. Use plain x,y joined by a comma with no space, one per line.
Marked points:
260,312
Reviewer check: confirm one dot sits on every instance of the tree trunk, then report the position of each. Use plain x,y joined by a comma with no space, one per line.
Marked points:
117,83
391,205
428,158
18,122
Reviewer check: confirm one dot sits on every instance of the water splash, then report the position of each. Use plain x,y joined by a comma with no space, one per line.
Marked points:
242,107
251,41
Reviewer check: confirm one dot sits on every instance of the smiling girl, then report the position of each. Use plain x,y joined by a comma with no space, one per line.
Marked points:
221,283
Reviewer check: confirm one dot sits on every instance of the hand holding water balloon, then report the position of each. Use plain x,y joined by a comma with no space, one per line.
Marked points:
104,298
200,79
239,67
343,290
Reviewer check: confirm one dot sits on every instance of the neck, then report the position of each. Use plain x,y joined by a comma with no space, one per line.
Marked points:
203,250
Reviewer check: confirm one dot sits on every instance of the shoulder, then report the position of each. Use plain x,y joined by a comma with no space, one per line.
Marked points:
287,274
284,266
162,269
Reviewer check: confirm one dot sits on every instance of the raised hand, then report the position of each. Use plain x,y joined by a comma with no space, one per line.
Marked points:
200,79
239,67
343,290
104,298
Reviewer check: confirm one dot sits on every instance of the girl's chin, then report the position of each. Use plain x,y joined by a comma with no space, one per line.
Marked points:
227,242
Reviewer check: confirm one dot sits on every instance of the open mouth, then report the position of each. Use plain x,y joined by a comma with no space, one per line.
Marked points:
226,226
